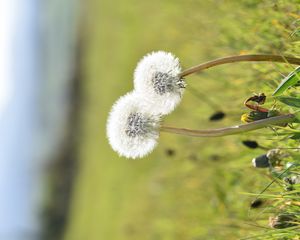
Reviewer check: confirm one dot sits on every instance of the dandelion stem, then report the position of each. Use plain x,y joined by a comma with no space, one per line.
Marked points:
218,132
240,58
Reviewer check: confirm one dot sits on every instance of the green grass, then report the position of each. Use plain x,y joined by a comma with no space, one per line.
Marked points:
198,192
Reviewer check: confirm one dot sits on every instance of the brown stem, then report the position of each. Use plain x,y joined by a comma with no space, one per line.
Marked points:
240,58
233,129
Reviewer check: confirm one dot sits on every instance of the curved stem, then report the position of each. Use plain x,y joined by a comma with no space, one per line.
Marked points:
240,58
218,132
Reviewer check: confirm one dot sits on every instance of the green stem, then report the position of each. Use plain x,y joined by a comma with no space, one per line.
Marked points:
240,58
233,129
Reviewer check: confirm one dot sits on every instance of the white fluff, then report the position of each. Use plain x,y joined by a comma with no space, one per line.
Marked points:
157,78
131,130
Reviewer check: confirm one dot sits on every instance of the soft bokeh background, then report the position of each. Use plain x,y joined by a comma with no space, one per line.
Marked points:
65,62
37,57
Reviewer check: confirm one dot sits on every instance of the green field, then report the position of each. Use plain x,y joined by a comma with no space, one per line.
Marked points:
196,192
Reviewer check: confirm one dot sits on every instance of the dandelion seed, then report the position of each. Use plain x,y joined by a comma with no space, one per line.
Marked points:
132,131
250,144
295,179
217,116
157,78
256,203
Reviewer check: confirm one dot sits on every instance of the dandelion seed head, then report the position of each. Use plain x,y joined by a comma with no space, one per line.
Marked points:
157,77
131,130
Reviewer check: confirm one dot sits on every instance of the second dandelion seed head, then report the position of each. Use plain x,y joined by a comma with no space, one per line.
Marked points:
157,77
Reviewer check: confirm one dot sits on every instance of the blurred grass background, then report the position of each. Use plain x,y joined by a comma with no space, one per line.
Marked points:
188,188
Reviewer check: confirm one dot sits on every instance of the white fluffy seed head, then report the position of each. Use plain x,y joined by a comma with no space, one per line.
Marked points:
131,130
157,78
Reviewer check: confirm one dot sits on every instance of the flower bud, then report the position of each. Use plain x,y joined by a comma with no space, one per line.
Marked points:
283,220
261,161
253,116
